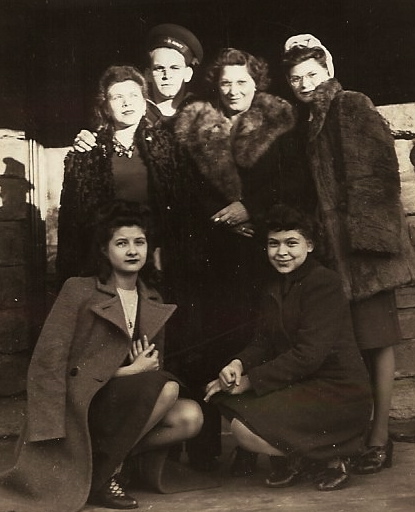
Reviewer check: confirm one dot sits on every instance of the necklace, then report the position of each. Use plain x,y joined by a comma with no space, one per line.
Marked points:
121,150
129,301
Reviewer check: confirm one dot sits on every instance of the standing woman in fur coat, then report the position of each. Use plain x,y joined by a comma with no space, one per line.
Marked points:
235,144
131,161
353,163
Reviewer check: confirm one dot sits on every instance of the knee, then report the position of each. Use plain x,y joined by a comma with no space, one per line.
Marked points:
190,417
169,394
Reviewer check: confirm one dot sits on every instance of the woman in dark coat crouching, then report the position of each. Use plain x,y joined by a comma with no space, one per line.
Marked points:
299,391
96,388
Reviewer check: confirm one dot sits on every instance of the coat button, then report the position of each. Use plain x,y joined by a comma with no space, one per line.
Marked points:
74,371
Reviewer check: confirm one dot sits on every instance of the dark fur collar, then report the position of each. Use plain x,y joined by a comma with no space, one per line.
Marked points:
255,130
219,148
323,96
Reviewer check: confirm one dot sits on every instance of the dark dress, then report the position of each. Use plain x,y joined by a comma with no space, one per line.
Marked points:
311,394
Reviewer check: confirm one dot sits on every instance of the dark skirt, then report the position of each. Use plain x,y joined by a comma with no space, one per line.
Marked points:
117,416
318,419
375,321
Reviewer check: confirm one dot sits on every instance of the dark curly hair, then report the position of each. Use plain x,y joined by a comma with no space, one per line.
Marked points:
257,68
285,218
114,75
298,54
108,219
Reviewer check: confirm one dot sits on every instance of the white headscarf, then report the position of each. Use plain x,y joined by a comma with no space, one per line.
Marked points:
309,41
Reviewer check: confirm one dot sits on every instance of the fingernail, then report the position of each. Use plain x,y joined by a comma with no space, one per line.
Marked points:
217,219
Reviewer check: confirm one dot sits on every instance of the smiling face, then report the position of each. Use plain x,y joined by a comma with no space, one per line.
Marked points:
126,104
168,73
236,89
288,250
127,250
305,77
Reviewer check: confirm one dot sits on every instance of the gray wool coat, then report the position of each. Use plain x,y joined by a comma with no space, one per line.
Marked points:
83,342
355,170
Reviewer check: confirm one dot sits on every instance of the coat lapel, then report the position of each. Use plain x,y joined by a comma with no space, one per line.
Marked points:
153,313
109,307
323,96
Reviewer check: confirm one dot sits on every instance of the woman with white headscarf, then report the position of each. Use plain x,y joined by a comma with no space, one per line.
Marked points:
352,159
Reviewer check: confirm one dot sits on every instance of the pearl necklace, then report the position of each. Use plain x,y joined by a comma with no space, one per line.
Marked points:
129,302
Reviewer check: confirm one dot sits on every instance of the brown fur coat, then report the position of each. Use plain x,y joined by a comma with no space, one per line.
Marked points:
355,170
240,161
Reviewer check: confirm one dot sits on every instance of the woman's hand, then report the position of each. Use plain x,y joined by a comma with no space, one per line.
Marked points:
143,358
244,230
233,214
229,377
85,141
212,388
231,374
235,389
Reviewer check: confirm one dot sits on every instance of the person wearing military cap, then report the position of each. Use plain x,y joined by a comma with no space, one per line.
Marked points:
174,52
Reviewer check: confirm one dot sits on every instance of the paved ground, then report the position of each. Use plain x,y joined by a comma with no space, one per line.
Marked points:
392,490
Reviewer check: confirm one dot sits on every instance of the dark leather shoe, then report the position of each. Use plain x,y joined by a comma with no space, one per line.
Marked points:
112,495
284,472
244,463
333,478
374,459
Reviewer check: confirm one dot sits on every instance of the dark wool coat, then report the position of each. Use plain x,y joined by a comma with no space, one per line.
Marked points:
311,392
353,162
88,184
82,344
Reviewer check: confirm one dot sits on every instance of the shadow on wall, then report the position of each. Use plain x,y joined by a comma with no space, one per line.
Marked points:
22,276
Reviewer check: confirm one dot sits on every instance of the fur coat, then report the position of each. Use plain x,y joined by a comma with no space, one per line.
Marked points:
244,161
355,170
89,184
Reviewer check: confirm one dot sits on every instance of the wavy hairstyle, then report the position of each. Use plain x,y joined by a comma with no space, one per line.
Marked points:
257,68
108,219
111,76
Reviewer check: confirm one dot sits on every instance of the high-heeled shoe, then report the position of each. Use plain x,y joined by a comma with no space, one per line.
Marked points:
244,463
285,472
374,459
334,476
